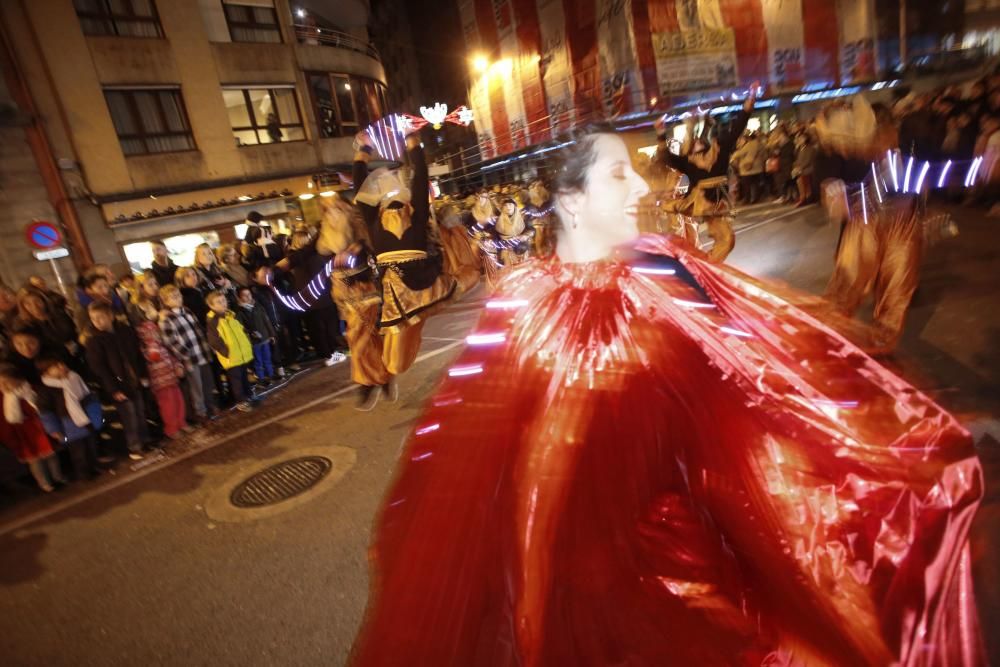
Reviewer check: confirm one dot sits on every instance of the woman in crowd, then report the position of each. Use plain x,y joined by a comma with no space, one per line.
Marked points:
210,276
231,265
53,326
699,473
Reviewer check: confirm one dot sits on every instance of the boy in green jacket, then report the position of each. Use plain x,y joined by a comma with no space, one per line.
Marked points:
232,346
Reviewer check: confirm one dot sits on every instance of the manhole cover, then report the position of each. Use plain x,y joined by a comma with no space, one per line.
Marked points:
280,482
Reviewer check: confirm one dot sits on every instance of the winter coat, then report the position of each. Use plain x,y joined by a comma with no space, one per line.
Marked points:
115,358
164,274
255,322
750,158
229,340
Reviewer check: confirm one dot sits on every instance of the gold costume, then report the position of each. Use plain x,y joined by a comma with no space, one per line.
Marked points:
880,252
403,306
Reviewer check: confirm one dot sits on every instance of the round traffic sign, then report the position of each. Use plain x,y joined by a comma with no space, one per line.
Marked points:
43,235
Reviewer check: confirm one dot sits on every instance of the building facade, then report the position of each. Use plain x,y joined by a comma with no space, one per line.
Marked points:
172,119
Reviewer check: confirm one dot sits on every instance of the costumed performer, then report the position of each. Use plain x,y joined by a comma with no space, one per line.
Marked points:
541,215
700,473
707,166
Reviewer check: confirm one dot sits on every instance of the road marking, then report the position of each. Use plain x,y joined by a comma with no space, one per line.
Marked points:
139,474
774,219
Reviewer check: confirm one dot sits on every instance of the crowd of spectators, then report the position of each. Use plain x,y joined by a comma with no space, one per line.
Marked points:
160,352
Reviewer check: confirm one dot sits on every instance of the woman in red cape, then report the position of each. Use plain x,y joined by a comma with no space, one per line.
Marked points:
643,458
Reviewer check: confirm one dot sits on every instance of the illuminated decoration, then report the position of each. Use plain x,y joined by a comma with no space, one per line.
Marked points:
463,115
864,204
306,196
944,174
906,178
481,64
920,178
435,115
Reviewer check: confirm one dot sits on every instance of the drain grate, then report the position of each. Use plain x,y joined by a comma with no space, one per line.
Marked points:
280,482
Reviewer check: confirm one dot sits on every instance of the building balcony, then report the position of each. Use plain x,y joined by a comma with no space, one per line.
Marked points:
326,50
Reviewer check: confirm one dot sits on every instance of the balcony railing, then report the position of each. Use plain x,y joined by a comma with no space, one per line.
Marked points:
316,36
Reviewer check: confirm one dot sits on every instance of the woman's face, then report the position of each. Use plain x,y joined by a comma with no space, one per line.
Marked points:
509,209
150,287
204,256
190,279
608,208
35,307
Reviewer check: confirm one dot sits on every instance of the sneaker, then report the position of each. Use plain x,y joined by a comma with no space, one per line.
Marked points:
106,458
336,358
368,398
281,373
136,456
295,368
391,389
46,487
244,406
263,383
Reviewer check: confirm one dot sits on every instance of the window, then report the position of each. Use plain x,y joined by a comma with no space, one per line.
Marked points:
263,115
250,23
150,121
344,104
124,18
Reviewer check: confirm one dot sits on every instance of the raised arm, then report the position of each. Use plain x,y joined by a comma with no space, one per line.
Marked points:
419,185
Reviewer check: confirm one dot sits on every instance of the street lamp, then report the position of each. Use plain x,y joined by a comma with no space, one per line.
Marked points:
480,63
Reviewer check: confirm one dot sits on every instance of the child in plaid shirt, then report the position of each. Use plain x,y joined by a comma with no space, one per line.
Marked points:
165,371
186,339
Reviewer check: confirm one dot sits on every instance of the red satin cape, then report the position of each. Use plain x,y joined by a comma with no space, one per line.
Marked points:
622,469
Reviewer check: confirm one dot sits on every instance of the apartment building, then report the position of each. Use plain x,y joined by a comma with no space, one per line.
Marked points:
173,119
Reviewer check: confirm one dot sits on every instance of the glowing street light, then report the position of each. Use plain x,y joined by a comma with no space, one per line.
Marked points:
480,63
301,13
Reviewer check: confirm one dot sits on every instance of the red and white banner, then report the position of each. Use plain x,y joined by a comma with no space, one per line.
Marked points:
621,82
785,44
508,70
857,40
479,95
553,64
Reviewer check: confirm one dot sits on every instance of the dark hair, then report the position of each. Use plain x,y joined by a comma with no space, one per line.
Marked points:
254,216
92,279
43,364
577,156
100,307
26,331
10,371
253,233
158,242
243,288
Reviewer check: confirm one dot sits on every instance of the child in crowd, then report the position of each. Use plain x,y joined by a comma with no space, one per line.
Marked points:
194,299
113,355
258,327
185,337
284,351
232,346
72,414
22,432
165,371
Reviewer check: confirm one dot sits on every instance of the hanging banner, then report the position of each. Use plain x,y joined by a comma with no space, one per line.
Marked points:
698,14
530,48
616,52
554,64
822,42
508,68
479,97
489,35
785,43
857,40
694,60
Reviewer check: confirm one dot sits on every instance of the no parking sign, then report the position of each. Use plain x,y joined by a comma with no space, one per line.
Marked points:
43,235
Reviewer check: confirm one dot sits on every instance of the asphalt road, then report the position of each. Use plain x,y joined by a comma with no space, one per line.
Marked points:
153,566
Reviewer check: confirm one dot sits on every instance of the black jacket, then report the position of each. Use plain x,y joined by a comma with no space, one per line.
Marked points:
116,360
727,141
420,274
164,274
255,322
